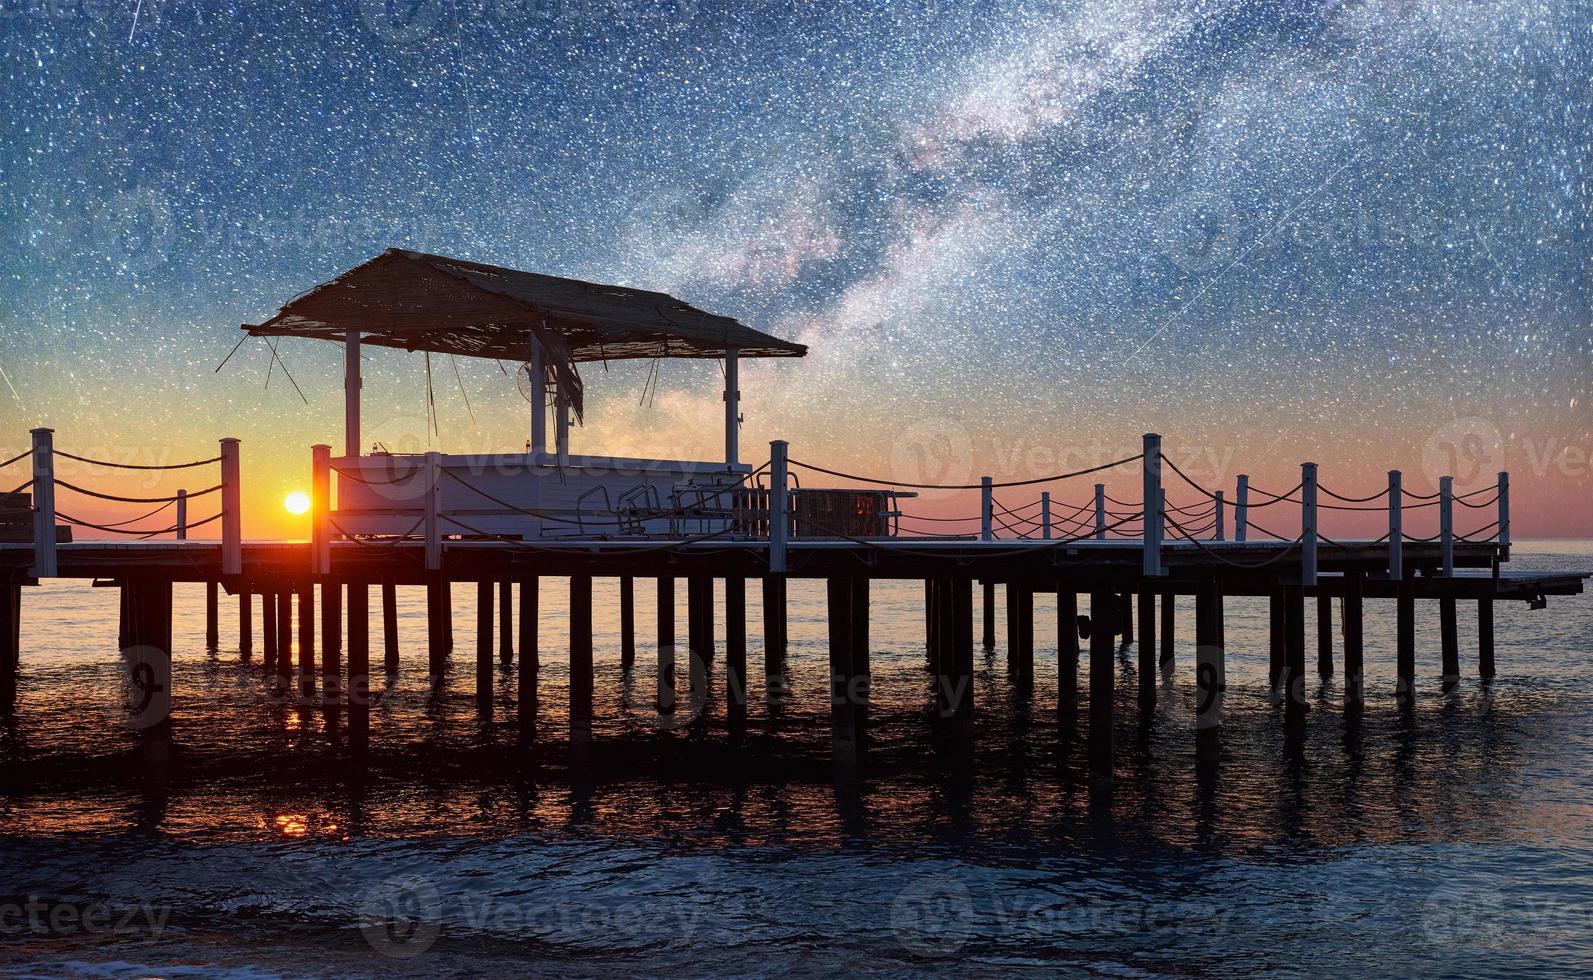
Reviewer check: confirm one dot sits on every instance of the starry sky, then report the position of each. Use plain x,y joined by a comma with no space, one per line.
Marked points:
1015,235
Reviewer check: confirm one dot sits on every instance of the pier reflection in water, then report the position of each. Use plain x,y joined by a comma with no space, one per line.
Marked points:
1458,830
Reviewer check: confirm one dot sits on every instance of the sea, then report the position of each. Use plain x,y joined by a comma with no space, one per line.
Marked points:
1453,839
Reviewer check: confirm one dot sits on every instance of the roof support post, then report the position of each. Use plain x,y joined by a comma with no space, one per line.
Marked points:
779,515
539,401
321,510
732,407
351,393
561,424
431,515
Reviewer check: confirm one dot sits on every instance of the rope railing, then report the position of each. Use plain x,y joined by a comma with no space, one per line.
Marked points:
617,522
136,532
1352,500
966,486
1280,556
136,466
132,500
19,457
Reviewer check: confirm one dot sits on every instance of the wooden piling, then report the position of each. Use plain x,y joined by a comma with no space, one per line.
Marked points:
506,622
962,620
990,615
307,627
147,656
1211,680
774,625
284,665
1485,667
666,644
862,642
1354,625
1449,631
331,639
530,654
843,678
699,613
1405,643
268,628
389,628
1103,650
580,649
438,627
1020,634
1275,643
1169,605
484,612
359,665
1147,649
627,596
10,644
954,696
1294,649
736,648
245,624
1067,655
212,616
1324,634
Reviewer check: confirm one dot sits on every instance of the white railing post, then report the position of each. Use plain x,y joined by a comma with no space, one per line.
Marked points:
432,503
1396,526
352,383
986,509
1220,531
321,509
44,564
1045,515
1308,524
779,506
231,510
1100,511
1151,466
1241,508
1503,530
1446,524
182,515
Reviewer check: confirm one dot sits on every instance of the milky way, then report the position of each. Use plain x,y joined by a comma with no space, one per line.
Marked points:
1270,230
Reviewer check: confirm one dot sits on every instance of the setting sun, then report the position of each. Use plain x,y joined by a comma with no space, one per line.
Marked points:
297,503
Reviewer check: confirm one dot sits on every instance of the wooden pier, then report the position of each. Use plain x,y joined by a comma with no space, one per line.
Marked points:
379,521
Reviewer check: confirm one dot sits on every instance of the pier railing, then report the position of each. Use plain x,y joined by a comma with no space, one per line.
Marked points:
769,504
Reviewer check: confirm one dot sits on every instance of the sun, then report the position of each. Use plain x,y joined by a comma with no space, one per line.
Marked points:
297,503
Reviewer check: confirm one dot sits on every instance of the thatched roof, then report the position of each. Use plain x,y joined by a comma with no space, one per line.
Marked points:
420,302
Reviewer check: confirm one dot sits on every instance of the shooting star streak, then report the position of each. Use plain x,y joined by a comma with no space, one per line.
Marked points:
11,386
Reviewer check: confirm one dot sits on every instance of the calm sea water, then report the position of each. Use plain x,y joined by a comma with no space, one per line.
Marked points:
1455,841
